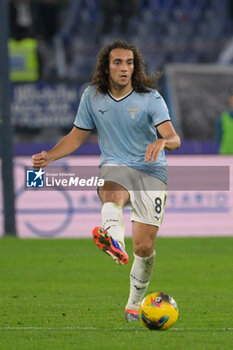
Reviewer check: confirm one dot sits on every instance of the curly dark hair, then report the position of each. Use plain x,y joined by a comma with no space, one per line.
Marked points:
140,80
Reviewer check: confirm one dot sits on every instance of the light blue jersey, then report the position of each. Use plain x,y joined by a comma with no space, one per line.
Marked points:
125,127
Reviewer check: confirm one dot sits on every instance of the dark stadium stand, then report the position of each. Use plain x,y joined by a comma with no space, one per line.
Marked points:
167,31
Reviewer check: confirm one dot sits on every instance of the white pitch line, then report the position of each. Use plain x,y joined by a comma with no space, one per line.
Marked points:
110,329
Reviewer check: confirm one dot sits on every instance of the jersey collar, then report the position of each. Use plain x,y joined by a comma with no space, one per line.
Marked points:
121,98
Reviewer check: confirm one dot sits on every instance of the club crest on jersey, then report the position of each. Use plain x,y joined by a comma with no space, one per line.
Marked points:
132,111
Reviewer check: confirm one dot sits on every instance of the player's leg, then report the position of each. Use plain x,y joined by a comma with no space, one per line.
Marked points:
144,257
147,215
110,237
113,197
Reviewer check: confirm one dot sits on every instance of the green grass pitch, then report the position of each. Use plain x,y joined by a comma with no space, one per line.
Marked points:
66,294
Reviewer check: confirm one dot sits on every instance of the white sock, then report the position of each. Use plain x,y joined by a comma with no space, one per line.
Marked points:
112,221
140,275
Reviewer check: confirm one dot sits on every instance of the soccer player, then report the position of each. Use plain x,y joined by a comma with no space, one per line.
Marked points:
127,111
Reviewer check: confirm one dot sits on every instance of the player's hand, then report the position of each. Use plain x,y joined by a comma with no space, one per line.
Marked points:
153,150
40,160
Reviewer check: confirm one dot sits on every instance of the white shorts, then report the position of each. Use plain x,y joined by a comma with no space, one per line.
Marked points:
147,193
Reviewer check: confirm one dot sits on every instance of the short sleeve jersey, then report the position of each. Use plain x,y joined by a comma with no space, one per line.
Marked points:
125,127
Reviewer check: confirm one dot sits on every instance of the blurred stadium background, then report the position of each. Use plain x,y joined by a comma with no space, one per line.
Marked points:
53,46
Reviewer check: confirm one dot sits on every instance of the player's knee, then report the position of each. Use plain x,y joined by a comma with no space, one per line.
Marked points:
113,198
144,249
119,196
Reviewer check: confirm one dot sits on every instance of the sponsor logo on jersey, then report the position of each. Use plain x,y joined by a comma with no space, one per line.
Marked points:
101,111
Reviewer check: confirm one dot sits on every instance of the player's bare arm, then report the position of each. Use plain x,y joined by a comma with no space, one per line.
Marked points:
66,146
170,141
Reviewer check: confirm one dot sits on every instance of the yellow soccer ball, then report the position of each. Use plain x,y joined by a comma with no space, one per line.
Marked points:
158,311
